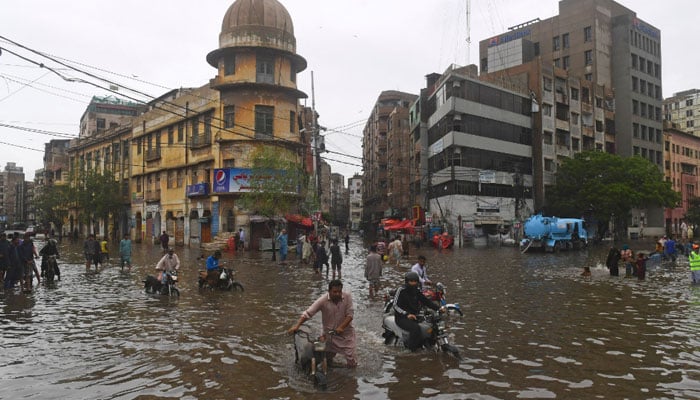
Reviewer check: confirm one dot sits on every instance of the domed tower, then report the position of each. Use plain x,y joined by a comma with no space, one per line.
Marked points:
257,66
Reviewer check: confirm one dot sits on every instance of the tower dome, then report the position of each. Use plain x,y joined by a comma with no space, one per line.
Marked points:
257,23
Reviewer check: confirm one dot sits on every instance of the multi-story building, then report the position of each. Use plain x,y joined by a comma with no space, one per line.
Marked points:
105,112
605,43
376,149
56,164
399,152
339,200
479,139
681,161
106,153
571,115
324,178
683,109
12,195
355,201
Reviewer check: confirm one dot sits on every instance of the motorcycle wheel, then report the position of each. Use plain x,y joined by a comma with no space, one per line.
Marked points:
237,285
174,292
448,348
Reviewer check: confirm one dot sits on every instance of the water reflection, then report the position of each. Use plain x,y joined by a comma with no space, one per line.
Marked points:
532,328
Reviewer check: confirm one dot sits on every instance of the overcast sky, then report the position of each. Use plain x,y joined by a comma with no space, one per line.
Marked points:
356,49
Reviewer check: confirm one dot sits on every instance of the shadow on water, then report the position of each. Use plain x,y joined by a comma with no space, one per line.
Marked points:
532,328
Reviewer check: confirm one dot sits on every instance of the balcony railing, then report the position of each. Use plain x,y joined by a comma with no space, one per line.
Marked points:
152,155
153,195
201,140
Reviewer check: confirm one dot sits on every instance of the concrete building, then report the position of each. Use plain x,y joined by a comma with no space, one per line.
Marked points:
12,195
683,109
105,112
681,162
571,115
605,43
56,162
379,157
355,202
107,153
479,145
339,200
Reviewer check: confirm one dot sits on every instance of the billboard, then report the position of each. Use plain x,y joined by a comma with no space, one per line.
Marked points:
241,180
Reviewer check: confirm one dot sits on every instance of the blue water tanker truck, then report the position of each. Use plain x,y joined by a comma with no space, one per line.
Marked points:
552,234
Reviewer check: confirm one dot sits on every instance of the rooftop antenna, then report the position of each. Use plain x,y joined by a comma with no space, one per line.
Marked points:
469,36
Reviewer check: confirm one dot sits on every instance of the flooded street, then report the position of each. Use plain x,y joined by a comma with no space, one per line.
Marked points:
532,328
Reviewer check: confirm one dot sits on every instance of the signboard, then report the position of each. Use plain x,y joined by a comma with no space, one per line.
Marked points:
487,176
199,189
241,180
508,37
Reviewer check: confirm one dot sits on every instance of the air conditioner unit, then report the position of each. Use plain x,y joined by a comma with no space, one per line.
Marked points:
456,84
457,117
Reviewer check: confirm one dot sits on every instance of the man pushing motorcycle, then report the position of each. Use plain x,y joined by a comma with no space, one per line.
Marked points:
168,264
337,312
407,304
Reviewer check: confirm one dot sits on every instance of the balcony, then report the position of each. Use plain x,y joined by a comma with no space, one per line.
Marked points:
153,195
200,141
153,154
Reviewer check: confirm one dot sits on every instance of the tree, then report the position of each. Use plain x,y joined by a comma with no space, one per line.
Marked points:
52,205
276,186
94,196
609,186
693,213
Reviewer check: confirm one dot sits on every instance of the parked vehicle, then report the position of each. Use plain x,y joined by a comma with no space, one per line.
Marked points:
154,285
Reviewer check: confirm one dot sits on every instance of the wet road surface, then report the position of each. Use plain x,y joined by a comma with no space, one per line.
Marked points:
532,328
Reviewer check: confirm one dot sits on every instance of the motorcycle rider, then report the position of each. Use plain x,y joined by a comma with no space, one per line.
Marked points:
169,263
213,270
337,313
49,249
407,304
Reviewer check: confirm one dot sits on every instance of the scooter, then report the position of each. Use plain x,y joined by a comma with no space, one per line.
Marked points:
310,355
225,281
50,270
154,285
432,325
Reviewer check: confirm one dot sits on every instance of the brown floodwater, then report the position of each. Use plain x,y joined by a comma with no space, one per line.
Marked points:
532,328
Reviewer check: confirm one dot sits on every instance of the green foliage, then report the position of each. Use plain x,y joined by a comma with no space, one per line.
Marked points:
51,204
608,184
94,195
276,183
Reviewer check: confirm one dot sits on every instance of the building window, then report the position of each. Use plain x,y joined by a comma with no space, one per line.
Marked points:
101,124
635,84
292,74
689,102
587,34
547,110
556,43
689,123
547,84
642,86
688,113
180,131
195,126
642,64
635,61
229,116
588,56
574,93
171,135
230,65
588,77
635,130
657,70
536,49
179,178
650,68
265,69
574,118
264,116
557,62
292,121
635,107
565,40
547,137
566,62
644,132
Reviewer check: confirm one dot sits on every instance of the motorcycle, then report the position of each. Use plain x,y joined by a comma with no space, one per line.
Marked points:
50,269
437,295
154,285
225,281
310,355
432,324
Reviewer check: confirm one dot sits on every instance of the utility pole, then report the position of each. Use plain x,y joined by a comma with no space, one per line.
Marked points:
314,149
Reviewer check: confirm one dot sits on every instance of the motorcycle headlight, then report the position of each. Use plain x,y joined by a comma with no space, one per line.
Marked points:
441,325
